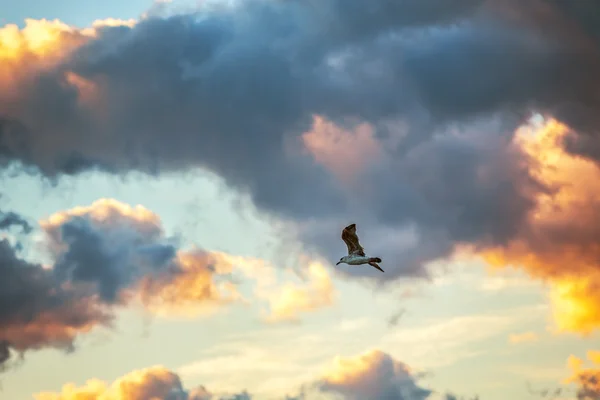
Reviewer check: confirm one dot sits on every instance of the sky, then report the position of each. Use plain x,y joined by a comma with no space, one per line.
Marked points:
175,177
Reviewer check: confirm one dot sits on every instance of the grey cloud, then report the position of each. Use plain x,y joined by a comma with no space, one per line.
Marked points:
112,259
231,91
451,396
32,296
9,219
394,319
474,188
384,379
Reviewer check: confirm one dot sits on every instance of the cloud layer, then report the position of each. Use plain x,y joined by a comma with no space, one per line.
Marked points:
156,383
374,375
270,96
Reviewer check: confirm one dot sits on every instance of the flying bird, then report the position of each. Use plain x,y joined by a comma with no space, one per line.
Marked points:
356,253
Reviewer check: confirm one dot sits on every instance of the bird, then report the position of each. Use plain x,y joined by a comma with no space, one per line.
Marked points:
356,253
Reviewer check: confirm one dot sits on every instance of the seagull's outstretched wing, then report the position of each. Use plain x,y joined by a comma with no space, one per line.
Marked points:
351,239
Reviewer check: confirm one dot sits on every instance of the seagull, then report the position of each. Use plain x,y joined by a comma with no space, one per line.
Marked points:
356,253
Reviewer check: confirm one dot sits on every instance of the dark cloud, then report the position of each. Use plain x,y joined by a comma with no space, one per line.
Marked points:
9,219
231,91
394,319
36,311
450,396
93,255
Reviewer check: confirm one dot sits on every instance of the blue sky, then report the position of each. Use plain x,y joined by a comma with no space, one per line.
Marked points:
455,326
71,12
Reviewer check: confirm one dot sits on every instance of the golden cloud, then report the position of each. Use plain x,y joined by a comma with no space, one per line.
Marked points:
372,375
524,337
40,46
586,379
288,300
285,299
561,241
192,290
150,383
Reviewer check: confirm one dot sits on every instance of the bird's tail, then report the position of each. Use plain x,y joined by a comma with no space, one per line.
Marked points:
375,259
375,265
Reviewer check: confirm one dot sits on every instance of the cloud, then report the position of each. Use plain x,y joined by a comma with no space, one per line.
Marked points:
373,375
559,242
288,299
436,92
344,153
151,383
9,219
586,379
457,338
123,251
524,337
37,311
394,319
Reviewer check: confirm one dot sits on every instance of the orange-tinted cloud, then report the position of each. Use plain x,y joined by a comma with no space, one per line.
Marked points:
344,152
288,300
40,46
192,290
524,337
146,384
41,41
132,258
154,383
44,42
560,242
38,310
586,379
285,300
373,375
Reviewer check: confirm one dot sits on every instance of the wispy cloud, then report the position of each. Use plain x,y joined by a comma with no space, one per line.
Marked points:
444,341
525,337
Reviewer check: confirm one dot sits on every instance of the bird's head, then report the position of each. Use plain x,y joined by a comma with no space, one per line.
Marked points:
343,259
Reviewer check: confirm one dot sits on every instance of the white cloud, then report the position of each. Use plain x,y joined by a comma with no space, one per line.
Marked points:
444,341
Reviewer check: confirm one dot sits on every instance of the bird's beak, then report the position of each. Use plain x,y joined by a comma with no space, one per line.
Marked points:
337,262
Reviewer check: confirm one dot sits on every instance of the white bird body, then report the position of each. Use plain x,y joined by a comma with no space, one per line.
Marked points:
356,253
355,259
